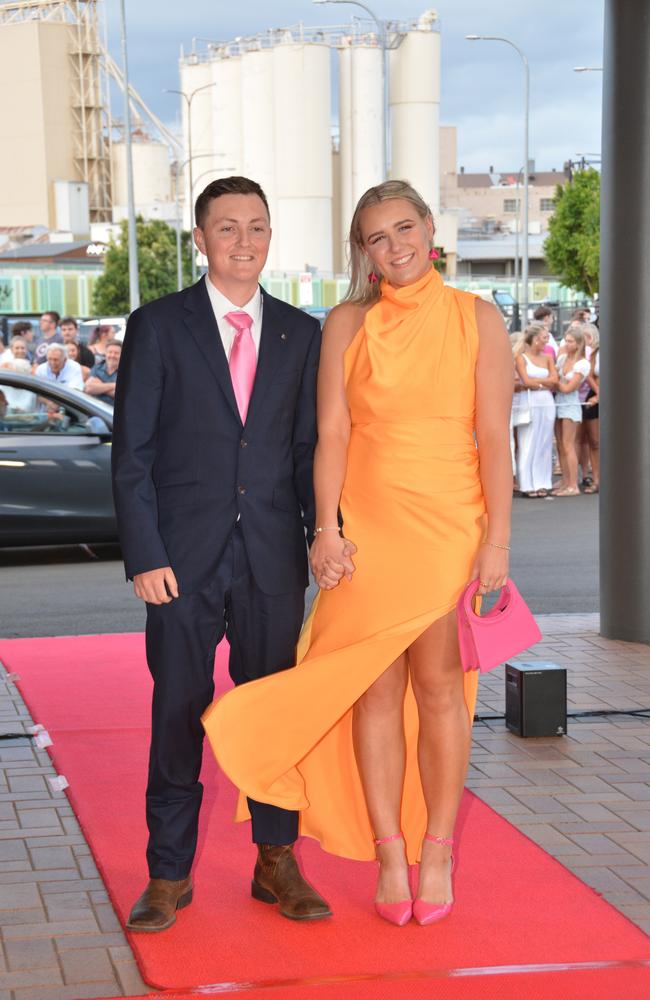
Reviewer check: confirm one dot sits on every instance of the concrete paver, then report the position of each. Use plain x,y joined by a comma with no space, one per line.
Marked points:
584,798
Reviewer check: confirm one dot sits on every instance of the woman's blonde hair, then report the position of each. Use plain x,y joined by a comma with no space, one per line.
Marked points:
517,342
578,335
531,332
592,330
361,290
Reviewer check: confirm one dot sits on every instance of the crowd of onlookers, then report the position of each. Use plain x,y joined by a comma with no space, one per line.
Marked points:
57,354
555,421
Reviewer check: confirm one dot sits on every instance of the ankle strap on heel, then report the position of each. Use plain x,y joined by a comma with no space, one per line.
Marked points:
387,840
447,841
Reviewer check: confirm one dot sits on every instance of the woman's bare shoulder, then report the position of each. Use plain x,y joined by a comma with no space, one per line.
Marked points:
343,321
488,315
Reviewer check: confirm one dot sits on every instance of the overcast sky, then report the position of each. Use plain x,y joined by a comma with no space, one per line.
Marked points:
482,82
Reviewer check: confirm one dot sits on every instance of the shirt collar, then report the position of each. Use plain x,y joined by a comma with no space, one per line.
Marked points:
66,368
223,305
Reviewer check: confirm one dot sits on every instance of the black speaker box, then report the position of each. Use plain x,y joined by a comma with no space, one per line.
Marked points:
536,699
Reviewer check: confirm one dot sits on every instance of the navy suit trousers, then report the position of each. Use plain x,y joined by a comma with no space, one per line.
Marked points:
181,639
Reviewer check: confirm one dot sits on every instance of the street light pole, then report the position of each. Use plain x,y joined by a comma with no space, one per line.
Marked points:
524,255
179,225
134,279
188,98
517,228
383,36
178,169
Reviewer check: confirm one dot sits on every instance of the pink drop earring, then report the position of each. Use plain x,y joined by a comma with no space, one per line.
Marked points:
372,278
433,254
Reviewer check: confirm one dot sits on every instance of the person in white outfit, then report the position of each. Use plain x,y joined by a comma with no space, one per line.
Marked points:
15,359
536,417
573,369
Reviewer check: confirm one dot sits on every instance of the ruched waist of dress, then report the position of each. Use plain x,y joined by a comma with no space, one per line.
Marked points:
416,439
414,457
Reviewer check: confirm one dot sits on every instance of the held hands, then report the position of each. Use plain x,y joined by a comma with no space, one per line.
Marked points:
157,586
330,559
490,568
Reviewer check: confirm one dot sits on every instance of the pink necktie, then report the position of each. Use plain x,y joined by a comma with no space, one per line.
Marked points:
243,360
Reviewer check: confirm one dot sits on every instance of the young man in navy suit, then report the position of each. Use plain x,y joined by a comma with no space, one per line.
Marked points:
215,428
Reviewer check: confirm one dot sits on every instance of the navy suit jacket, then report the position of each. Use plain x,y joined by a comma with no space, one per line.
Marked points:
184,467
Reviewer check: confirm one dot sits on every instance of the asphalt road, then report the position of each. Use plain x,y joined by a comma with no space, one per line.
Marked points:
64,591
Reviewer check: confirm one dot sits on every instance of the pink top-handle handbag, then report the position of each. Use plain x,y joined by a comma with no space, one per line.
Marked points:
507,629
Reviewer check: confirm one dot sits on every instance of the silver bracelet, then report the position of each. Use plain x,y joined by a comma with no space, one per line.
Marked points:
317,531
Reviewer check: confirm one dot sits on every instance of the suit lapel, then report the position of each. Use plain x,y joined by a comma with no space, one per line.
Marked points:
203,326
273,351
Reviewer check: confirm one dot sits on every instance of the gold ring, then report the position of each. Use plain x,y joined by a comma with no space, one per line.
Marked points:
483,584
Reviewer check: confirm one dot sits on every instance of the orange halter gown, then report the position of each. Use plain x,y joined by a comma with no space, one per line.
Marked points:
412,502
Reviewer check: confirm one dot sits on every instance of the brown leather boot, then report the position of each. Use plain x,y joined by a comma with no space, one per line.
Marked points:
277,879
155,910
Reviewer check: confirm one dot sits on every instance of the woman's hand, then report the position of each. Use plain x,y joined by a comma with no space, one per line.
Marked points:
490,568
330,559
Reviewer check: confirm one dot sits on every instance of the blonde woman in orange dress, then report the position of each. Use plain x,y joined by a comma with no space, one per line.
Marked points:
369,736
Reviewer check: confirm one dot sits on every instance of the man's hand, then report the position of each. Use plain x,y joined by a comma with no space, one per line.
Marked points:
330,560
157,586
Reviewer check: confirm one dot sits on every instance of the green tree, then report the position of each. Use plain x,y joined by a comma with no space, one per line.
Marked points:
156,265
572,248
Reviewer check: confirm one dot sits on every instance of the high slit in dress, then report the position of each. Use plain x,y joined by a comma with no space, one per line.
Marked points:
412,503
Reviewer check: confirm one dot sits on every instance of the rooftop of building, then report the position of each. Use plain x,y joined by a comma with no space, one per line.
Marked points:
75,250
541,178
499,246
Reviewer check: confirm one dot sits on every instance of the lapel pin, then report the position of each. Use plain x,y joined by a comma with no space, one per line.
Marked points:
283,336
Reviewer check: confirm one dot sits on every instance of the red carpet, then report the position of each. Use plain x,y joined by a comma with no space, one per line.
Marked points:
520,917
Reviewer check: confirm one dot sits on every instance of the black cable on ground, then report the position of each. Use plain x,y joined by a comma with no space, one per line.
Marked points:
643,713
16,736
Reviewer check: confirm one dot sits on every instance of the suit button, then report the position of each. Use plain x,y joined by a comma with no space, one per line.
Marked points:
241,489
243,444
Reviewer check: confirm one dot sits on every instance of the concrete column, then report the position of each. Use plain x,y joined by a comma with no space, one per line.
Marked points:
625,324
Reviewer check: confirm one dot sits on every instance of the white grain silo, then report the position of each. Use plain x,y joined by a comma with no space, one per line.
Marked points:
197,74
226,120
367,118
361,122
303,155
151,174
415,108
258,135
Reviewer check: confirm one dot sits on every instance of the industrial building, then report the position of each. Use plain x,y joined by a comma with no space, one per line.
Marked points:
63,166
54,125
261,105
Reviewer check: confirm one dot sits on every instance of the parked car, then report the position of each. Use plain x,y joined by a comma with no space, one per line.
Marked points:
55,455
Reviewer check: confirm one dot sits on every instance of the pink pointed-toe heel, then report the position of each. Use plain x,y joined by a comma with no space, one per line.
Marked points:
430,913
395,913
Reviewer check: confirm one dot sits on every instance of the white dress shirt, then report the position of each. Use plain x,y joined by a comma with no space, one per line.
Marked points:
221,306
